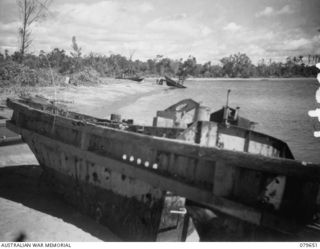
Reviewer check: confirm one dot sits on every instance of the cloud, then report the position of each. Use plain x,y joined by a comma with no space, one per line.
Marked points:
9,36
98,14
205,30
145,7
286,10
119,28
269,11
294,46
301,45
9,26
178,16
178,26
100,26
232,27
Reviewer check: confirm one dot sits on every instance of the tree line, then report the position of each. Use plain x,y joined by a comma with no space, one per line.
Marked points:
236,65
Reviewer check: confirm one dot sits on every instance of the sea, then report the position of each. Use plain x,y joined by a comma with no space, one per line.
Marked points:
278,106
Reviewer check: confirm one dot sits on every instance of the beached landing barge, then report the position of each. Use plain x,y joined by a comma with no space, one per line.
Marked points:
235,183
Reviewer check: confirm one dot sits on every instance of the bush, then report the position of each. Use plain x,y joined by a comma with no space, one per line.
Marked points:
27,77
12,73
87,75
46,78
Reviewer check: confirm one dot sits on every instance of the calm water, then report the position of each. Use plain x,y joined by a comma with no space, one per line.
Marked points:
279,106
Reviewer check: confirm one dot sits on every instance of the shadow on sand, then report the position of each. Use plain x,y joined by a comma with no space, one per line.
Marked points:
23,184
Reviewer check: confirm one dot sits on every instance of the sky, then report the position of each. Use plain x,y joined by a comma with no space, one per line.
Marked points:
206,29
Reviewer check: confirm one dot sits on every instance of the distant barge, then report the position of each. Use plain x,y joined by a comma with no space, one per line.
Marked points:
191,168
173,83
133,78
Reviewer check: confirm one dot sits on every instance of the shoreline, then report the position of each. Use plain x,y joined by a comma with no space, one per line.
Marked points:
108,99
100,100
253,79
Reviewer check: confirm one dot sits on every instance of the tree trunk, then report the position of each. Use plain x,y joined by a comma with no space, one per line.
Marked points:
23,33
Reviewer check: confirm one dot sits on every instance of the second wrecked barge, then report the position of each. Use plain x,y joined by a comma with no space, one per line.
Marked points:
145,182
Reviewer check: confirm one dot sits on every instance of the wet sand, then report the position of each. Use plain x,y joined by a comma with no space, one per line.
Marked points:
29,211
102,100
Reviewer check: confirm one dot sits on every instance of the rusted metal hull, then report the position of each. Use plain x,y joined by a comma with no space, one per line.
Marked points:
131,208
131,218
211,167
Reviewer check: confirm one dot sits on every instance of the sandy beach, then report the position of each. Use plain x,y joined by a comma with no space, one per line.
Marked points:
29,211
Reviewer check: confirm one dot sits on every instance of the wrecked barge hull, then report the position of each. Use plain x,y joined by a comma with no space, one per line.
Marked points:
121,177
131,208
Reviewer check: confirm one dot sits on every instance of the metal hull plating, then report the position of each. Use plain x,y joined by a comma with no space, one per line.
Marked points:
122,177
